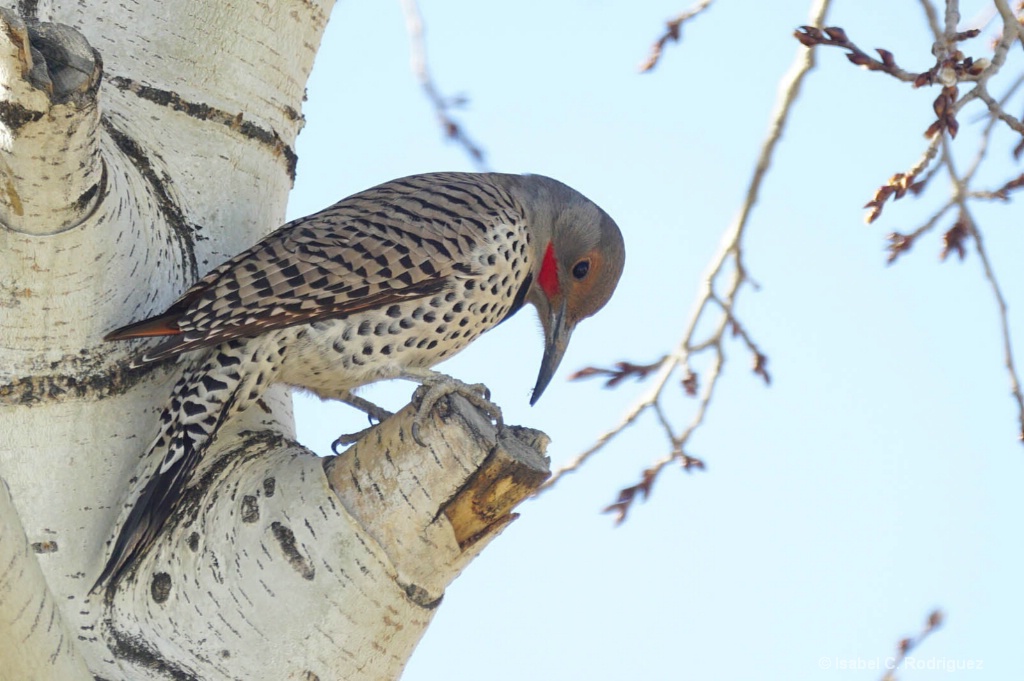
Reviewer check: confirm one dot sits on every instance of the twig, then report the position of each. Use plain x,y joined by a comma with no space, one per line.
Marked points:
673,31
901,243
442,105
621,372
901,183
970,226
709,301
1004,324
933,18
908,645
833,36
947,106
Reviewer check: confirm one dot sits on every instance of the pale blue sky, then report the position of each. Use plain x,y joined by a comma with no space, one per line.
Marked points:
876,479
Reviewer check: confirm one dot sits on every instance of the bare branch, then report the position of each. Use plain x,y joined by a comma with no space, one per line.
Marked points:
968,227
721,286
952,67
727,275
1004,324
443,106
673,32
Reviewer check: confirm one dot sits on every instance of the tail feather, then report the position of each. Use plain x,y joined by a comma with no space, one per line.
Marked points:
162,325
151,510
215,388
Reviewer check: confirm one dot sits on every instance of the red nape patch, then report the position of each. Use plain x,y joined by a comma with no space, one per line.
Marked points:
548,278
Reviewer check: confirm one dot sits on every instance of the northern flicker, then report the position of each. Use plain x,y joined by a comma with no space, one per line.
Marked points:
381,285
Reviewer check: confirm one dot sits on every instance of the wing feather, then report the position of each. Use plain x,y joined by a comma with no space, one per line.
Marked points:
403,240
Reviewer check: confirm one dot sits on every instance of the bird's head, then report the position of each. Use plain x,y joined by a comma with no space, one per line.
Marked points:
577,255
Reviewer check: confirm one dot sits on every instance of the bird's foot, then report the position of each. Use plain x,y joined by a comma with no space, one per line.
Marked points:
436,386
372,411
376,413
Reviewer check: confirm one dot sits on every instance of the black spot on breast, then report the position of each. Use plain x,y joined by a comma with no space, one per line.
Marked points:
364,327
192,408
394,312
211,383
228,360
368,349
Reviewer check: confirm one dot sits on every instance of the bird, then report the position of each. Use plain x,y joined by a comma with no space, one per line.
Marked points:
383,284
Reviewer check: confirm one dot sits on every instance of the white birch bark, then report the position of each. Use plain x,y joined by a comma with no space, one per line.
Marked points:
141,144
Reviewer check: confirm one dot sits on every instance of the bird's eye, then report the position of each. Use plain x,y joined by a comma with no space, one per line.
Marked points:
580,269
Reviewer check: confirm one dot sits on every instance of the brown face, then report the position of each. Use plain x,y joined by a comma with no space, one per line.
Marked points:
590,283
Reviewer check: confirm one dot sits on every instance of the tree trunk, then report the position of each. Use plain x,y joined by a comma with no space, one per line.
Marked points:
141,144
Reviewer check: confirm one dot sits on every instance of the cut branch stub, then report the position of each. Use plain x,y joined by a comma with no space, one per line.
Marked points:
432,508
512,472
49,157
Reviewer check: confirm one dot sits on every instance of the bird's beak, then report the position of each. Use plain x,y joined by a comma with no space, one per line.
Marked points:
556,339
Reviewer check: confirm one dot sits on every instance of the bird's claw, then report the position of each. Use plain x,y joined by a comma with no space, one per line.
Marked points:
346,439
431,391
373,413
